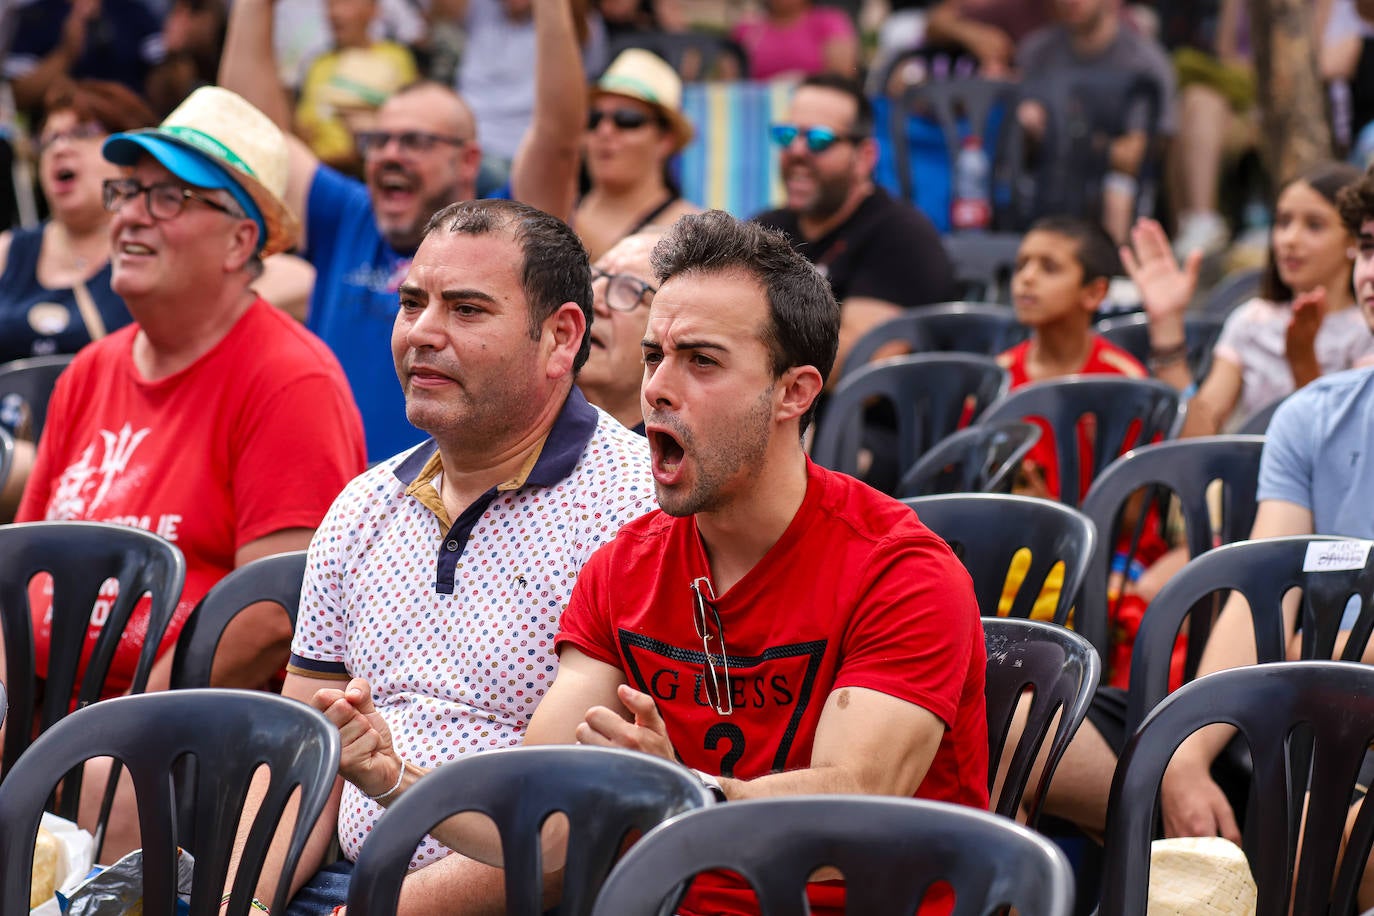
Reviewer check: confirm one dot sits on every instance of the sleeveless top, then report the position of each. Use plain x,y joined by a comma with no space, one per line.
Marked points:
37,321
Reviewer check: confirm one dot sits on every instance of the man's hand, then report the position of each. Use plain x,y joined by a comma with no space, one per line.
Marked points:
1300,343
368,759
1165,286
1193,804
605,728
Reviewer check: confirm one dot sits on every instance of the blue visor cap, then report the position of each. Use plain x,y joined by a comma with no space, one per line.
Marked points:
191,166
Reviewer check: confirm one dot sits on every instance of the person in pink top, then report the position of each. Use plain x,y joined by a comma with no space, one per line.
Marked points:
795,38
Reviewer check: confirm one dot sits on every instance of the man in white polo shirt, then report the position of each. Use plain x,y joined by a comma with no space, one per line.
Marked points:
441,573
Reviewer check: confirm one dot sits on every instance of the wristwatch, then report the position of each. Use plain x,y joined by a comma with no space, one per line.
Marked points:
711,783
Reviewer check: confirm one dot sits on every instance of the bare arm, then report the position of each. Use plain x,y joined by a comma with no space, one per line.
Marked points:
993,47
544,173
29,88
841,54
858,316
246,67
1192,803
1215,400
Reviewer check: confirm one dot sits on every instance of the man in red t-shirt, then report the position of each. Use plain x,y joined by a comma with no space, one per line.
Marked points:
215,420
779,628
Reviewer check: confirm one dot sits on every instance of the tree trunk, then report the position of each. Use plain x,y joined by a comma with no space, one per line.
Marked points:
1294,132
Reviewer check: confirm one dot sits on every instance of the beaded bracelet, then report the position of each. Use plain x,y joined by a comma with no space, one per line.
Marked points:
255,903
392,791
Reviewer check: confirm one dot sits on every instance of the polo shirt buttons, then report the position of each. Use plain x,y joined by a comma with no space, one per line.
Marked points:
452,546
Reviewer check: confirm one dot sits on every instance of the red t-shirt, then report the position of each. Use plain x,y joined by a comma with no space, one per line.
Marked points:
258,435
1104,358
856,593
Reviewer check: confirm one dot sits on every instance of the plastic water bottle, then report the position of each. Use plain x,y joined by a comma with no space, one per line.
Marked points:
971,209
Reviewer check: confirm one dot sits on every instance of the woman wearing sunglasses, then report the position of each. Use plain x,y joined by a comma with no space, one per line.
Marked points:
634,126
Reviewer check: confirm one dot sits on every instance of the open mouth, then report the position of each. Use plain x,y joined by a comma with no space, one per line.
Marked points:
667,453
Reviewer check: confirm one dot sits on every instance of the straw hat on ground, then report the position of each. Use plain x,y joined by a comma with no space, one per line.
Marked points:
1200,876
643,75
216,139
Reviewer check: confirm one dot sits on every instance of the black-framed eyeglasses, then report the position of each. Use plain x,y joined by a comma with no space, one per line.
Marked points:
624,292
369,142
163,200
622,118
87,130
818,139
717,678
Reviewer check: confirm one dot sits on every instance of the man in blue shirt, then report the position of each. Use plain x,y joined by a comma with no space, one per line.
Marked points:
421,155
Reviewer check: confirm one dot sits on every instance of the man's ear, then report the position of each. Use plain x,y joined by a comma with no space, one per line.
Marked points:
800,386
562,338
243,245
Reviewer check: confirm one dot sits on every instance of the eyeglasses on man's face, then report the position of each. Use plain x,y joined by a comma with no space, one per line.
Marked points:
371,142
164,200
818,139
716,677
624,292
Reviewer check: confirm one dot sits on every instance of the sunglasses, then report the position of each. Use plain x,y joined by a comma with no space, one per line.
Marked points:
715,677
622,118
818,139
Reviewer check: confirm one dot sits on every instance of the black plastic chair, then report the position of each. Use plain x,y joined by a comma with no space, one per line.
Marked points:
32,380
983,458
987,530
1186,468
696,56
1132,334
4,704
275,578
1297,718
970,106
930,393
961,327
1115,402
890,851
1263,572
233,732
1231,291
1062,669
80,556
983,263
1257,424
6,455
605,793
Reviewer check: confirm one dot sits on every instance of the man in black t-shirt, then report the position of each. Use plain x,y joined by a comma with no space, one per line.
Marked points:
880,254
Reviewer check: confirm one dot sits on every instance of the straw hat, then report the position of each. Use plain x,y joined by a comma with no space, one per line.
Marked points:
216,139
643,75
1200,876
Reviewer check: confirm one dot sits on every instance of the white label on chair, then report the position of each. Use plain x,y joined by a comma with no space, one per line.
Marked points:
1333,556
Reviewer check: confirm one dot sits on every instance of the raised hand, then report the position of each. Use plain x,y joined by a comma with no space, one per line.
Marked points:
1300,342
1166,287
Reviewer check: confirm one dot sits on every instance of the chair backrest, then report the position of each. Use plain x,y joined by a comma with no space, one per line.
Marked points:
605,793
987,530
1062,669
1231,291
961,327
930,394
983,263
969,107
1257,424
1263,572
1115,403
890,851
1187,468
32,379
231,733
1298,719
80,556
275,578
6,455
1132,334
980,459
4,704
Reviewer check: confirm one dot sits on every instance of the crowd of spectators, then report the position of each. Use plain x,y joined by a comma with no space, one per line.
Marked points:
244,200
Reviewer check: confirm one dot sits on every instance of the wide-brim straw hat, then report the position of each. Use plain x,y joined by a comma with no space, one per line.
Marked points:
643,75
217,139
1200,876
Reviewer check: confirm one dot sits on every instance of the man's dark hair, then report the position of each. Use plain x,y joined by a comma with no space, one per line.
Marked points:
555,269
1355,201
1095,249
804,319
863,108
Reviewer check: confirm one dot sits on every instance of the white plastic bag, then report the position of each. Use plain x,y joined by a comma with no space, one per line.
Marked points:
74,859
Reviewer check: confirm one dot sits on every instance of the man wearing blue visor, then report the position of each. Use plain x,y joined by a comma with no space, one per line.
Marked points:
214,420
